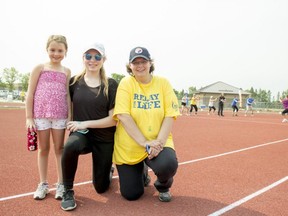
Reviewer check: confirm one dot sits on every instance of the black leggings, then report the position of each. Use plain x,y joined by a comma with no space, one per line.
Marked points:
78,144
131,176
212,107
195,107
220,109
284,112
235,108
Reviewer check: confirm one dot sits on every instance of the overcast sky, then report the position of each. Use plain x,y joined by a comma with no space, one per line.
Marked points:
243,43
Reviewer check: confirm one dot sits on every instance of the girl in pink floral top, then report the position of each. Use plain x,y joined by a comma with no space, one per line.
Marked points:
48,109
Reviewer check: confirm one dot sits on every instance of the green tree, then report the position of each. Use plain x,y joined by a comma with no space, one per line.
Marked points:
284,94
10,76
269,94
180,94
253,92
176,93
262,96
2,84
24,80
192,90
117,77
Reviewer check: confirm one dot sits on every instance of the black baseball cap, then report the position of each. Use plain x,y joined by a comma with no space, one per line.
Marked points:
139,52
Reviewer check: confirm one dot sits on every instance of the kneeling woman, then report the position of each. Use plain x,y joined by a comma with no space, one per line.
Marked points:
145,108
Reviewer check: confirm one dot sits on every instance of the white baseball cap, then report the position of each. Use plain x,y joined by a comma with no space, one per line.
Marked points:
96,46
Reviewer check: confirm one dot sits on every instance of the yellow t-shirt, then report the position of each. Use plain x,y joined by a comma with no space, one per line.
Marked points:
148,104
193,101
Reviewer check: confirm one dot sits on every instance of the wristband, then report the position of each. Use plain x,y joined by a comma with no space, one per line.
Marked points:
148,149
84,131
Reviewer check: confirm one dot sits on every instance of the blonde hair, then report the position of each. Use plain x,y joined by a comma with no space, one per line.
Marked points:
103,78
58,39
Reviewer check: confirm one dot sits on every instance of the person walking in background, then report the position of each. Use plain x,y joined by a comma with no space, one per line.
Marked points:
249,105
22,96
234,106
92,128
194,101
146,107
284,101
211,105
221,102
48,109
184,103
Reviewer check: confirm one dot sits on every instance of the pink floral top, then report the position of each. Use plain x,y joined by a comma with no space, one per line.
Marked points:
50,98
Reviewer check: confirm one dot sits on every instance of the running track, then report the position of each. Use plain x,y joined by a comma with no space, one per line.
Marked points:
227,166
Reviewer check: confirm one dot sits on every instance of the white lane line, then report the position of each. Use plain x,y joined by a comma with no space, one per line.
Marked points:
249,197
51,189
232,152
182,163
237,119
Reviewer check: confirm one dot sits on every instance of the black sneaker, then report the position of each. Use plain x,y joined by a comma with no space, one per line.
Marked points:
68,201
165,196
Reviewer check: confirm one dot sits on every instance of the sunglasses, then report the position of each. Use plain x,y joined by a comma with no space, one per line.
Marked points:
89,57
136,63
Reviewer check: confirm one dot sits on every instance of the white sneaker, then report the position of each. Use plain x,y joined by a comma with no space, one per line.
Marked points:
59,191
284,120
42,191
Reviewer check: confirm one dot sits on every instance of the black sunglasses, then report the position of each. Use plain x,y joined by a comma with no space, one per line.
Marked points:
89,57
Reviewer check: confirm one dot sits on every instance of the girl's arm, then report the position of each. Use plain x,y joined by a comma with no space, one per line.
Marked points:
100,123
33,80
68,75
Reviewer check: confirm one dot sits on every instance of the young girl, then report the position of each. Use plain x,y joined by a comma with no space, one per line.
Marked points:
48,109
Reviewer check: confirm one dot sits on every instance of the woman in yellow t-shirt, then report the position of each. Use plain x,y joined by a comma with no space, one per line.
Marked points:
145,108
194,101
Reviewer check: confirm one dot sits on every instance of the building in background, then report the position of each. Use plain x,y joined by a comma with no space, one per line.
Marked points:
215,90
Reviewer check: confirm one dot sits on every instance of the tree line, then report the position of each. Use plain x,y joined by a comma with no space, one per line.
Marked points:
9,77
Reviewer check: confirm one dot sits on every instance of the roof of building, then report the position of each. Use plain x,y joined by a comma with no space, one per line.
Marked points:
221,87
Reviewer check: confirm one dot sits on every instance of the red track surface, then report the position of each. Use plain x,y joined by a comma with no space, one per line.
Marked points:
207,180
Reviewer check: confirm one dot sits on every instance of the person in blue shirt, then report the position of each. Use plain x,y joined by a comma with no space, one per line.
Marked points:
249,103
234,106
